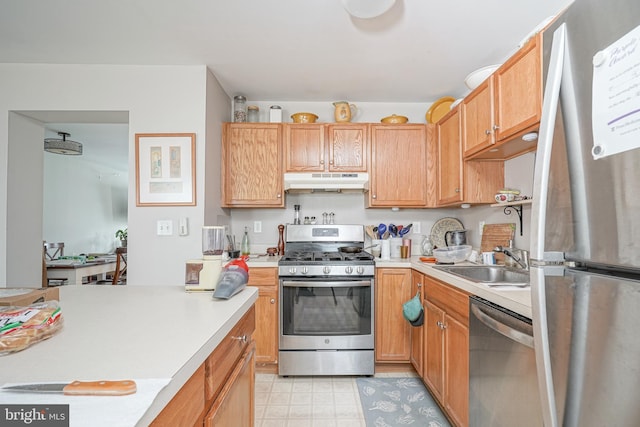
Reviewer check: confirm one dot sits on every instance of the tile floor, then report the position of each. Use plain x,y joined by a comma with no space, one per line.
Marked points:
310,401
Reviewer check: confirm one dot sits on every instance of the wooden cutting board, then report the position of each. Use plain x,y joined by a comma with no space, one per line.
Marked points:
497,235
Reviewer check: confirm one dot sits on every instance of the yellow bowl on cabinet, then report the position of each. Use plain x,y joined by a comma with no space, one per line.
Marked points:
394,119
304,118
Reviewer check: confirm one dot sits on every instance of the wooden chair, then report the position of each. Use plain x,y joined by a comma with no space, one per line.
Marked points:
120,275
53,251
50,252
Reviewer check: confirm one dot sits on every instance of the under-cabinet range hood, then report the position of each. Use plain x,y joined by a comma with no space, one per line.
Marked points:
326,182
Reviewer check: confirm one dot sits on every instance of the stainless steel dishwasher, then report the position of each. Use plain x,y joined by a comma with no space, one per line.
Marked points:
503,387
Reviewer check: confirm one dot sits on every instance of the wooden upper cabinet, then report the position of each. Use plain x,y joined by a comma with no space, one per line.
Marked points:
449,150
348,147
477,119
399,174
252,165
305,149
459,180
518,91
505,106
326,148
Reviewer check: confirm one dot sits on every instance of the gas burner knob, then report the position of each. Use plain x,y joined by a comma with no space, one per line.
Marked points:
360,270
304,270
326,269
292,270
348,269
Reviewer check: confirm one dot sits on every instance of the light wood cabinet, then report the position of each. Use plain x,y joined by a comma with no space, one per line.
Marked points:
399,166
506,106
252,173
477,119
222,387
446,348
326,148
449,158
461,181
266,333
233,407
392,333
417,332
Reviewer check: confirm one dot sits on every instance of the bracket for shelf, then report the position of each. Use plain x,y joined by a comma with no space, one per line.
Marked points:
518,208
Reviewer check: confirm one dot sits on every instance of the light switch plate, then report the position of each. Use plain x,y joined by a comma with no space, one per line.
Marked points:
257,226
165,227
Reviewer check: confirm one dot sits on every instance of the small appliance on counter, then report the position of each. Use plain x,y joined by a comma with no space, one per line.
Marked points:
203,274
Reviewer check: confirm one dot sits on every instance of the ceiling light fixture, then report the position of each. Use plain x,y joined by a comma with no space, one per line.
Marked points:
367,9
63,146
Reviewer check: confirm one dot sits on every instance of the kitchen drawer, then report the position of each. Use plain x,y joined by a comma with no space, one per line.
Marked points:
453,301
266,276
220,363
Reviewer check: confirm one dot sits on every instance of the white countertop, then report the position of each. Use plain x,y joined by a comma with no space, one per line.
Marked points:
130,332
517,300
263,261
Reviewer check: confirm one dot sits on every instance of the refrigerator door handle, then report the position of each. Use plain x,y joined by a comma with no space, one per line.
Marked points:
545,142
538,220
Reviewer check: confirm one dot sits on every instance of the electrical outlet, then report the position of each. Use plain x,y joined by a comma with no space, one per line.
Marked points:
416,228
257,226
480,228
165,227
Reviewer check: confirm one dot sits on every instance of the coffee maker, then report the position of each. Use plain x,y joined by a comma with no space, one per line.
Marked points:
203,274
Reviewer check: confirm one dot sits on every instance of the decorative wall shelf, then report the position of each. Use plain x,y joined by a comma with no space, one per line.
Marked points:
509,207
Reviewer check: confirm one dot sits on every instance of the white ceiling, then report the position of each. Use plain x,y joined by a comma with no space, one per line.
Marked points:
283,50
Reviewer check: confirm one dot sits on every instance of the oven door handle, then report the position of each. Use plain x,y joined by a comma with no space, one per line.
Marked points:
328,284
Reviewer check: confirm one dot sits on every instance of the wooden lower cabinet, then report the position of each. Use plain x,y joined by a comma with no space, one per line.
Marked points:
234,405
416,331
446,348
266,334
223,387
393,336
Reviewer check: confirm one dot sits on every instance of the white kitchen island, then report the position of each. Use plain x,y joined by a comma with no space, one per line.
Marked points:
128,332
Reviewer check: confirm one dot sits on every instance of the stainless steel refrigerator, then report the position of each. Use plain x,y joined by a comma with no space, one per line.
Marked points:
585,219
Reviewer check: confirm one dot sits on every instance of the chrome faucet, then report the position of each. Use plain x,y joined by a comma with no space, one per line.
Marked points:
521,260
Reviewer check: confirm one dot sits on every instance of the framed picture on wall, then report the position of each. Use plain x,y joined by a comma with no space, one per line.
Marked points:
165,169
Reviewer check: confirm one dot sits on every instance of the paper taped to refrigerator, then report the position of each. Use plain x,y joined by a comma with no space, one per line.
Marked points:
616,96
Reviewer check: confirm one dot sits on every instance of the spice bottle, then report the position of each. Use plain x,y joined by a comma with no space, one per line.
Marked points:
239,109
296,214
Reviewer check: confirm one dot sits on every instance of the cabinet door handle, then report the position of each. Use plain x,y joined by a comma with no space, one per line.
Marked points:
279,196
273,301
242,339
487,132
322,161
373,197
496,127
457,190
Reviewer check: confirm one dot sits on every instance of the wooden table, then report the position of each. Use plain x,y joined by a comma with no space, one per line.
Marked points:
74,273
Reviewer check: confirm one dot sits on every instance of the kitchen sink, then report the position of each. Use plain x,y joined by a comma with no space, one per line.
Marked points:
491,275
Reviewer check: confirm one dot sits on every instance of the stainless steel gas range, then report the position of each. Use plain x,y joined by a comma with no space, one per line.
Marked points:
326,302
